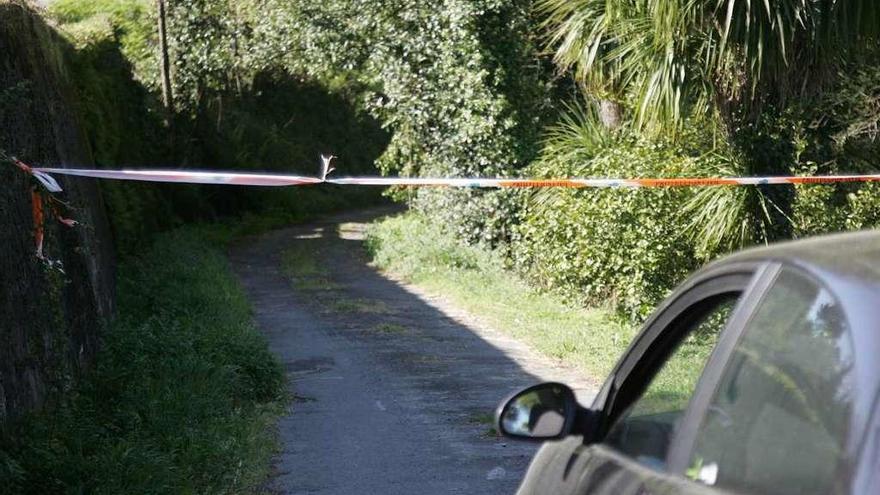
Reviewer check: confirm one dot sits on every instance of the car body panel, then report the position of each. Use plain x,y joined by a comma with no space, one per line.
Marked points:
570,467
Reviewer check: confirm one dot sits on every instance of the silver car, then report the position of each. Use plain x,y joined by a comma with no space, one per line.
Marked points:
759,375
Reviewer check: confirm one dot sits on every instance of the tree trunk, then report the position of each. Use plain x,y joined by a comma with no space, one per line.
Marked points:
167,95
610,113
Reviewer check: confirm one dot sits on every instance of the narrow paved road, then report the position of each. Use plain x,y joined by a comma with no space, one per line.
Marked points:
392,389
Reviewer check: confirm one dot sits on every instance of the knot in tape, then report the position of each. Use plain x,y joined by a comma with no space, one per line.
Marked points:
46,180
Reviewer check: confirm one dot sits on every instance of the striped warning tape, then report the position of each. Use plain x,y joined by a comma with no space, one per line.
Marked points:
43,178
42,174
249,179
188,177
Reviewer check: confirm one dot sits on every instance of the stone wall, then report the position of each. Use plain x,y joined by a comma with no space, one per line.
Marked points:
50,320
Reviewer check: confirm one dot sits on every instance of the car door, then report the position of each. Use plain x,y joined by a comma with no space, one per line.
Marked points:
646,397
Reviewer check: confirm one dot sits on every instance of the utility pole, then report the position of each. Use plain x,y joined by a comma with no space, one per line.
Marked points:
167,96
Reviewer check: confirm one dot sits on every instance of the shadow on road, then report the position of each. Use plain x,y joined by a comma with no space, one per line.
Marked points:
390,394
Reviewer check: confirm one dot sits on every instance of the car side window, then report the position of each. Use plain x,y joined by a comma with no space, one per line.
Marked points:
644,431
778,419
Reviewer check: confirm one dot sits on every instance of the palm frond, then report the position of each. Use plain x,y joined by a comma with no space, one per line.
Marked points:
723,219
569,147
671,57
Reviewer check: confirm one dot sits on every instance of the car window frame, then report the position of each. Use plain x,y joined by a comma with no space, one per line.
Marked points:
663,331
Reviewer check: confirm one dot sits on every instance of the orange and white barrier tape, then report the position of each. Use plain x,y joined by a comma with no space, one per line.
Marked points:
249,179
42,174
37,208
603,183
187,177
47,181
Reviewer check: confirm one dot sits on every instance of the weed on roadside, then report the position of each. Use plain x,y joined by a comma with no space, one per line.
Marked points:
301,264
316,284
367,306
390,328
299,260
486,420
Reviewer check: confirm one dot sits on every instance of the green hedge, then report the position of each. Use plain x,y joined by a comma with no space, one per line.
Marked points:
623,248
840,134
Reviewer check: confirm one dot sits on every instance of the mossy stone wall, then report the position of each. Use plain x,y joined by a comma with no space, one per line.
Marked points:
50,319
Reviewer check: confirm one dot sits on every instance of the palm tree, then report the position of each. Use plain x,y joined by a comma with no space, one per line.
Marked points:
734,60
669,58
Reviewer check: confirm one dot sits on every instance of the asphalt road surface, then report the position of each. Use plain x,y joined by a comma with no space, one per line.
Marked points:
393,389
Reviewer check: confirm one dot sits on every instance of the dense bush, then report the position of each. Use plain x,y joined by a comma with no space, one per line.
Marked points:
182,396
839,133
629,247
623,247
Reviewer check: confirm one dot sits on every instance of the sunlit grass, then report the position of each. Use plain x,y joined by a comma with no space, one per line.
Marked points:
360,305
411,247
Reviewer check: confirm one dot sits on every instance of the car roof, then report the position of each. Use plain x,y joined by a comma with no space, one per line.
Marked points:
854,254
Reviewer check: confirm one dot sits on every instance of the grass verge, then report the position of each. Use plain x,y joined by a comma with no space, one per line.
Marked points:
474,279
182,398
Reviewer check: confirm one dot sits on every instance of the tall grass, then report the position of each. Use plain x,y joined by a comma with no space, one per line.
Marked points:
182,397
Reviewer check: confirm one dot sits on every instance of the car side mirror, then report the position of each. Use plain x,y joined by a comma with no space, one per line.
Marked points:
546,411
